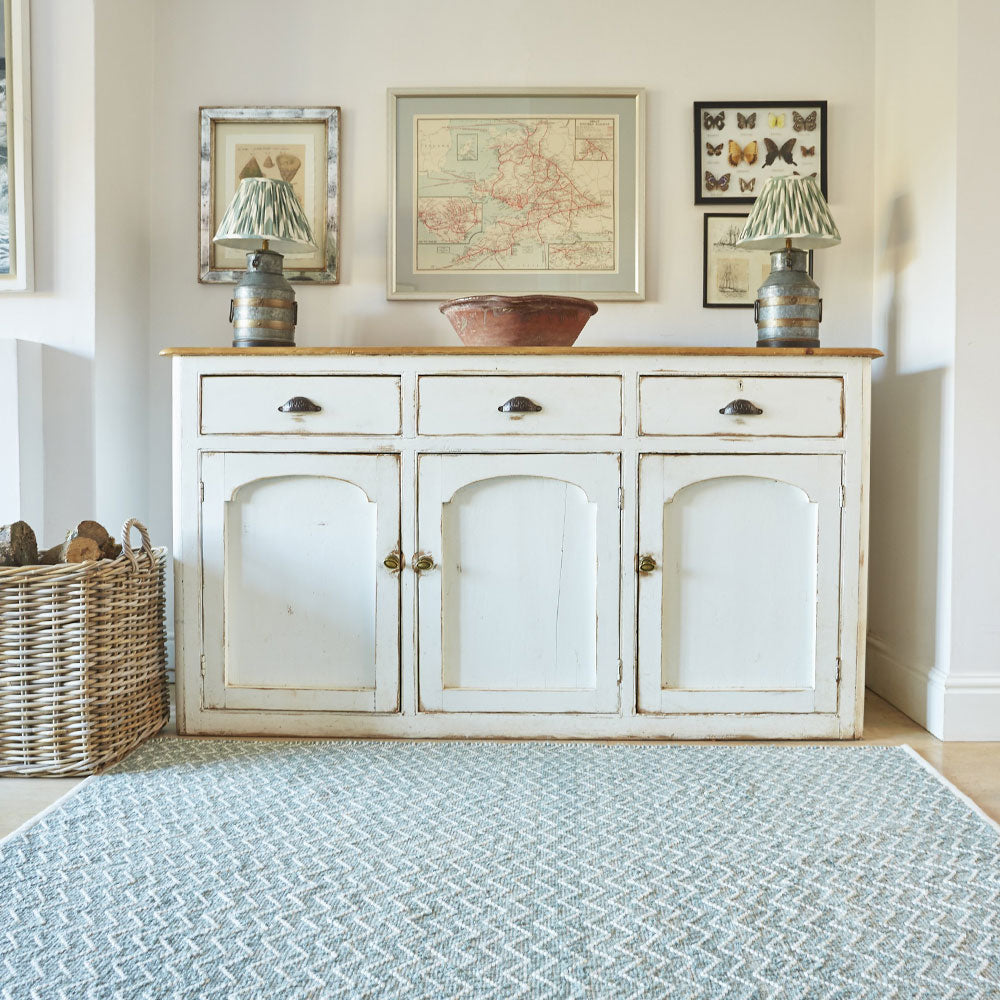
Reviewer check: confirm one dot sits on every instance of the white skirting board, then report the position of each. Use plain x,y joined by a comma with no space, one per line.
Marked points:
952,707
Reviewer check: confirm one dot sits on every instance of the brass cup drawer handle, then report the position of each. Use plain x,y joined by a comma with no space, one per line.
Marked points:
299,404
519,404
741,408
393,562
646,564
422,563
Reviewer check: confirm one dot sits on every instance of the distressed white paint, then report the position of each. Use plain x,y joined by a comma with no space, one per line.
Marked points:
299,611
448,485
569,404
246,404
792,407
520,613
743,609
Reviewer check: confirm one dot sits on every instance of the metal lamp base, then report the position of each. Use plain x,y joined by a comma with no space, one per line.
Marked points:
263,309
788,309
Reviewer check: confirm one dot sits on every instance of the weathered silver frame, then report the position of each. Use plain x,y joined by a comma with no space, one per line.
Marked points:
630,282
208,118
20,277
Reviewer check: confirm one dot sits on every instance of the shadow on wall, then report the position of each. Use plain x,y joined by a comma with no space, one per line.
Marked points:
906,473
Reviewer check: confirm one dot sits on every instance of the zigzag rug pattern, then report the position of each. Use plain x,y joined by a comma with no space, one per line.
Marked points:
224,869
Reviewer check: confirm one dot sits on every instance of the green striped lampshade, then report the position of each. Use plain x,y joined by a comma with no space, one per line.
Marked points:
265,209
789,208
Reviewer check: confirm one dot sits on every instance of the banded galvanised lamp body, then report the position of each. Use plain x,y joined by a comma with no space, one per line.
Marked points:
790,217
266,219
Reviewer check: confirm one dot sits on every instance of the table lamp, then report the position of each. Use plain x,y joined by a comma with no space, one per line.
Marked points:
266,219
789,210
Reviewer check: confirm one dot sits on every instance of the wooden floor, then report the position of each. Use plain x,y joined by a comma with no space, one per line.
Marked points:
973,767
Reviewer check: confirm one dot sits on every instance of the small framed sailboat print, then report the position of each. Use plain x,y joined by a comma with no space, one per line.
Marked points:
732,274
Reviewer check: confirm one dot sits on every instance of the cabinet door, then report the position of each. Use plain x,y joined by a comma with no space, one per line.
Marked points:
520,610
741,613
299,611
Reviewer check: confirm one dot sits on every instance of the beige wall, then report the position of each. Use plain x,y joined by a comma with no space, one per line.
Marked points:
914,324
975,665
123,45
934,645
59,314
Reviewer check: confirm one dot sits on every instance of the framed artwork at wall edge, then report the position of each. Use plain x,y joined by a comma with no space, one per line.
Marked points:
299,145
513,191
739,144
16,256
731,275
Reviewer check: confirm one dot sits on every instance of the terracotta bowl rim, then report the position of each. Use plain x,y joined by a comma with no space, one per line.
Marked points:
486,301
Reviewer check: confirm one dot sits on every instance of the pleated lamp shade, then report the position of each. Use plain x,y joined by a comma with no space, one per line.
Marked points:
265,209
789,208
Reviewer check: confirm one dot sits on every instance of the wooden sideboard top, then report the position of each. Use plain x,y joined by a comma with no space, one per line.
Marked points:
828,352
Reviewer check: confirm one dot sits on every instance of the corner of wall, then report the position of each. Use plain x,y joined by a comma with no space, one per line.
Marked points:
952,707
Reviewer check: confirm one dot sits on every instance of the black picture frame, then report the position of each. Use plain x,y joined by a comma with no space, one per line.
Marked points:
751,255
761,131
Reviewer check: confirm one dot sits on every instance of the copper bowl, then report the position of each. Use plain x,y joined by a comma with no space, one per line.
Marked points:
518,320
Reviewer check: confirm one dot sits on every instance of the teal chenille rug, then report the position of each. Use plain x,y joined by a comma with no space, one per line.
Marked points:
226,869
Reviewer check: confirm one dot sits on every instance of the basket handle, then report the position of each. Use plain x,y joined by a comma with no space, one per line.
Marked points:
127,549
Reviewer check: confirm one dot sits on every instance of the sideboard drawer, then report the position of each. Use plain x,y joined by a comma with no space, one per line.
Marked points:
506,404
328,404
683,405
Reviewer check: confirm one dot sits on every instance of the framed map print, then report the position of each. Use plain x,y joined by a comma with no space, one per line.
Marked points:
15,149
739,144
732,274
298,145
516,191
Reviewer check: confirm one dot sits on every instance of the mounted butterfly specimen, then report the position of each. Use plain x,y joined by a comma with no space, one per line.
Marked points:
738,153
807,124
737,139
773,151
712,182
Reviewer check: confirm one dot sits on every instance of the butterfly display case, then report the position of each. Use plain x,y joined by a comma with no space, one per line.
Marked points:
739,144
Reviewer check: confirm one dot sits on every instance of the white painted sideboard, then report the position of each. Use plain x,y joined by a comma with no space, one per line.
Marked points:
652,544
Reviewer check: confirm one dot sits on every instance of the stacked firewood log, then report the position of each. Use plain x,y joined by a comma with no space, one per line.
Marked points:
88,541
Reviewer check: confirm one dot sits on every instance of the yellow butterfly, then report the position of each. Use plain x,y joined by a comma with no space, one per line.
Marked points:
748,153
776,121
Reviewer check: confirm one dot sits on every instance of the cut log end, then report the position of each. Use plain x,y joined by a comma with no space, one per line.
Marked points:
18,545
80,549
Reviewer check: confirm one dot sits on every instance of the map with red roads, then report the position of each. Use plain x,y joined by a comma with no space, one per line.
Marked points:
516,194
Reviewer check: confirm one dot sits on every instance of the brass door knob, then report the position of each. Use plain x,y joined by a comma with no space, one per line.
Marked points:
422,563
393,561
646,564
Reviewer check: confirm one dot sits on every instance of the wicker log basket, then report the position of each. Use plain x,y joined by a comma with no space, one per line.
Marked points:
82,660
